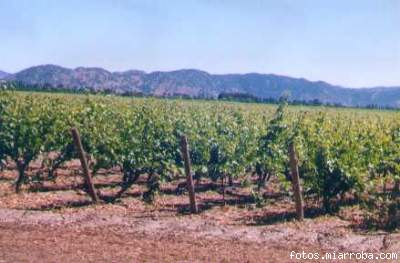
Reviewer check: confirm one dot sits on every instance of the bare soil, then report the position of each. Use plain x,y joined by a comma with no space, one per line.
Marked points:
55,222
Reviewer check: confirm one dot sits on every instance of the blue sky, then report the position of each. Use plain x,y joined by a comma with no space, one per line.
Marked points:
348,42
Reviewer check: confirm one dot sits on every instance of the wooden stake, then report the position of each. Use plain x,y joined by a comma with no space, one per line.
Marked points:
189,179
84,164
296,182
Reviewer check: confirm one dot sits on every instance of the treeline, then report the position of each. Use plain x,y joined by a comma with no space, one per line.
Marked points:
245,97
224,96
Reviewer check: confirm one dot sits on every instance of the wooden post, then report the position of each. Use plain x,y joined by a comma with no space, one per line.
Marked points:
84,164
296,182
189,179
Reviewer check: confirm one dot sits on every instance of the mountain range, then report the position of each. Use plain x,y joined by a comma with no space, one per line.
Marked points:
3,74
197,83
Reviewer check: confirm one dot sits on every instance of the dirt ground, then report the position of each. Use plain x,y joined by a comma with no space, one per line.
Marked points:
54,222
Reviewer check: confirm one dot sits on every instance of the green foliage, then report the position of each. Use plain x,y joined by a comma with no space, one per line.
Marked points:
271,155
28,128
340,151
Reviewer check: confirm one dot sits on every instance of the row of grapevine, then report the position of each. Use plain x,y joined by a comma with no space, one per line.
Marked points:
340,151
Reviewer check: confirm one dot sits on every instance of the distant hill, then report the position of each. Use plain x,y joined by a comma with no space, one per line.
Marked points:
198,83
3,74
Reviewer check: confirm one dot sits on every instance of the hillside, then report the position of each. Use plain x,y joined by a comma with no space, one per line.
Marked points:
3,74
202,84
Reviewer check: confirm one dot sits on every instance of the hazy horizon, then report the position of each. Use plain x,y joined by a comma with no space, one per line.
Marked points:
347,43
244,73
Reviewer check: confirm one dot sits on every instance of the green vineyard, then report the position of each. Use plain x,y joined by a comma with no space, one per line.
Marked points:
341,153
